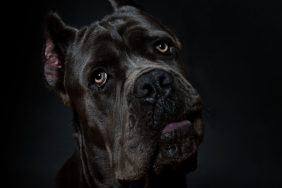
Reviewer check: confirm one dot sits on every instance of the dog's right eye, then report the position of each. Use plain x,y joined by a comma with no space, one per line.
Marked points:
162,47
100,78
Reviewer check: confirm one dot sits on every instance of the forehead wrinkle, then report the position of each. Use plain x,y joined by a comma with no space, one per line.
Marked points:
88,34
92,38
152,27
125,18
112,29
98,32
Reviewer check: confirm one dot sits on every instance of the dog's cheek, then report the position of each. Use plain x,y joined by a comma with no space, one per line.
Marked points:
134,153
133,164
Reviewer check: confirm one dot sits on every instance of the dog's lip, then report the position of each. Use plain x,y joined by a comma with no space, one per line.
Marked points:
176,125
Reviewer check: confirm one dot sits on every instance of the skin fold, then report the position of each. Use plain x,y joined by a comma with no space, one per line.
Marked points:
118,127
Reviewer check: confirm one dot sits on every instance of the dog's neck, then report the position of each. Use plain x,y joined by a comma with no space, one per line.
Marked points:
89,165
165,181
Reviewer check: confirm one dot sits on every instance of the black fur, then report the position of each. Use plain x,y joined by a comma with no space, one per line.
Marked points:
120,127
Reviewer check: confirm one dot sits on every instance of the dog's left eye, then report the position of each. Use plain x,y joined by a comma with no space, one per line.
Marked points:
162,47
100,78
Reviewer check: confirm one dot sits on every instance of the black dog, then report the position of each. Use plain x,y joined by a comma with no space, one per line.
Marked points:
137,119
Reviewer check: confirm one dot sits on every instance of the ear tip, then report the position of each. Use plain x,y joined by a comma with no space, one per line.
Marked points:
52,13
116,4
52,16
52,21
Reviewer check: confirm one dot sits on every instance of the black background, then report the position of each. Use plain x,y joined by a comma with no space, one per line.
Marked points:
233,49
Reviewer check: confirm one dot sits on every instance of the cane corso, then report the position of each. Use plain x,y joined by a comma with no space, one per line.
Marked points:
137,119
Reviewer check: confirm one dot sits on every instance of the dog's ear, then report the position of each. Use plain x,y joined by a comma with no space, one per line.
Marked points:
58,37
119,3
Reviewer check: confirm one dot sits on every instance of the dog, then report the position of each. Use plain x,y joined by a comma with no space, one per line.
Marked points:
137,119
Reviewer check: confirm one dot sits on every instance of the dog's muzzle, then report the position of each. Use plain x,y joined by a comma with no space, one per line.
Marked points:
153,85
157,91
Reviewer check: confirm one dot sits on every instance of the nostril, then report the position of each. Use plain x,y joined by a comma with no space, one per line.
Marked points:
143,90
153,84
146,90
165,80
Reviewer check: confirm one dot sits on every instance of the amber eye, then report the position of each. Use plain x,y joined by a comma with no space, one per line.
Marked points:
162,47
100,78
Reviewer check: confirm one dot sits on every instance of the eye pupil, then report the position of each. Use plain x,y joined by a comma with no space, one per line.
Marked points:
162,46
99,76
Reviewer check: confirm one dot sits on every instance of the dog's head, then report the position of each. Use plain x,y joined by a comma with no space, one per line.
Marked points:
124,80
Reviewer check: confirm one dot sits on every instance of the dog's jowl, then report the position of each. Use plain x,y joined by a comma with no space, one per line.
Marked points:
137,119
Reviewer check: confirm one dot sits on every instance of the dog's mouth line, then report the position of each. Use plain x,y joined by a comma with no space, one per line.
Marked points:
176,125
184,121
179,130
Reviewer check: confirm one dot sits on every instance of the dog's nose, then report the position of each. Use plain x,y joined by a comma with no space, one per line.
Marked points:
153,85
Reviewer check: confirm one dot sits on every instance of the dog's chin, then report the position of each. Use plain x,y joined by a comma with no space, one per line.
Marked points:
172,148
178,146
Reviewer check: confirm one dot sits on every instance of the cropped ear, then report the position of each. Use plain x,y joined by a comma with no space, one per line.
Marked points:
58,36
119,3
